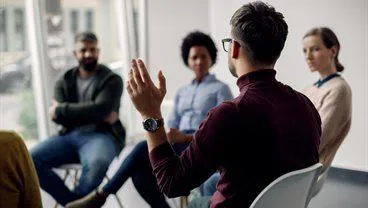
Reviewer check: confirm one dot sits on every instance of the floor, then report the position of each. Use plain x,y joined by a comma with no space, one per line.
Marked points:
343,189
127,194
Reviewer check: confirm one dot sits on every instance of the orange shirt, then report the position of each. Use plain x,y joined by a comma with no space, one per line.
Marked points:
19,185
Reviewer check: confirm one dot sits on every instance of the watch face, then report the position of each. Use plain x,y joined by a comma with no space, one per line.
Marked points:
150,124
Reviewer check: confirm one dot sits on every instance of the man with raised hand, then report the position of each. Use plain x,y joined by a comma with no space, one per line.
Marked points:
268,130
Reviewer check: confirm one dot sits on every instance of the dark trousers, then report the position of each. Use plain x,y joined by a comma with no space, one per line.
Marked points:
93,150
137,166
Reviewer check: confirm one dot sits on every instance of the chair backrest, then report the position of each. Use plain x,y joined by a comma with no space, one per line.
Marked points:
291,190
322,177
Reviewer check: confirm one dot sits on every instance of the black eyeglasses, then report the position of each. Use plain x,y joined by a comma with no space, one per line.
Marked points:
226,42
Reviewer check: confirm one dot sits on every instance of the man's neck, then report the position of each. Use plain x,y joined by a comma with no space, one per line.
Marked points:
84,74
245,67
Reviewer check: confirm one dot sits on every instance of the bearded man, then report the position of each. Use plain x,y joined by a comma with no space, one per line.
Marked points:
86,104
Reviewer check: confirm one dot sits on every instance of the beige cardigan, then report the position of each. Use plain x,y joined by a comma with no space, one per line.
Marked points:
333,102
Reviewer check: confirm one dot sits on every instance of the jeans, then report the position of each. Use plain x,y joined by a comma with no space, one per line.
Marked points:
93,150
137,166
208,188
200,202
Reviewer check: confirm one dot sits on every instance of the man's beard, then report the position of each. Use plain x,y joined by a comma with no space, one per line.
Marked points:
88,66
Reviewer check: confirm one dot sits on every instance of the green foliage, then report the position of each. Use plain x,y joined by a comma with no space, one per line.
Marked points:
27,117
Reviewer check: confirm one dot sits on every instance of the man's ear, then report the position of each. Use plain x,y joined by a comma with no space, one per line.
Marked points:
235,49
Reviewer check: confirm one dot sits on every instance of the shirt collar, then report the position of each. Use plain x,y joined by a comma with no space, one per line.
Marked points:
319,83
207,78
259,75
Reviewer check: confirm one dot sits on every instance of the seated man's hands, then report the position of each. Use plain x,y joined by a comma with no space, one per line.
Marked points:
54,105
176,136
112,117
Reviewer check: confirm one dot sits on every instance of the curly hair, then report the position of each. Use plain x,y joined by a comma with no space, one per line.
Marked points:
198,38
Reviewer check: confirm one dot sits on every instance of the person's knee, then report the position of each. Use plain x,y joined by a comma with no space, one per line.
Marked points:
36,157
39,151
141,147
142,144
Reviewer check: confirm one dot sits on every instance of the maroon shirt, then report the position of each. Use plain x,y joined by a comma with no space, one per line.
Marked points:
268,130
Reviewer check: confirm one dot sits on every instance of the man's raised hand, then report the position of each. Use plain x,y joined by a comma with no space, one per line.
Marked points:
146,97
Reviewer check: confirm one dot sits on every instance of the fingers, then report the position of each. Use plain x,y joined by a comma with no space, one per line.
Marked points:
129,89
143,71
131,82
137,74
161,82
140,79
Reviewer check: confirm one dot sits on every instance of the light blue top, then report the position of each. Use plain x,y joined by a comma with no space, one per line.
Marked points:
192,102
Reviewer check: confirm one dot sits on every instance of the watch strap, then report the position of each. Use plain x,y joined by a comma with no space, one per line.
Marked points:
160,122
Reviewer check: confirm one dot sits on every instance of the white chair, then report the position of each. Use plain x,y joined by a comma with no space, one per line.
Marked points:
322,178
291,190
76,169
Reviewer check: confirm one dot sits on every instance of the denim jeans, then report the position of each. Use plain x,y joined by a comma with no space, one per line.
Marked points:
208,188
200,202
93,150
137,166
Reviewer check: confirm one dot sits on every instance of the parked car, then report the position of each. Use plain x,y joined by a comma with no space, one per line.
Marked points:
18,75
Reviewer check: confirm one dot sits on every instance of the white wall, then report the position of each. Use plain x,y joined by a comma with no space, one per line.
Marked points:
168,23
349,20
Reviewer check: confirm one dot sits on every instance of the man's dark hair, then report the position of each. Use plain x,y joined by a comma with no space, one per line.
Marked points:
198,38
261,32
85,36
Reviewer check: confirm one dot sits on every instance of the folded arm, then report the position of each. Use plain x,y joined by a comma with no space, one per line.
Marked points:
107,101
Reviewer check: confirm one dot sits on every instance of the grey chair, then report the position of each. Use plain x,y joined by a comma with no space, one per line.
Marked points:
291,190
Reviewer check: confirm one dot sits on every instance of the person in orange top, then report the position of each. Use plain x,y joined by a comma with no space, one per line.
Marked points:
19,185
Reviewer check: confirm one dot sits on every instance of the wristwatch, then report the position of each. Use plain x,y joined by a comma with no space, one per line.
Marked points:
152,124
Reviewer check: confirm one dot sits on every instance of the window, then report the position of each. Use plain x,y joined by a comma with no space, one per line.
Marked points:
19,29
17,104
89,20
3,30
74,22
